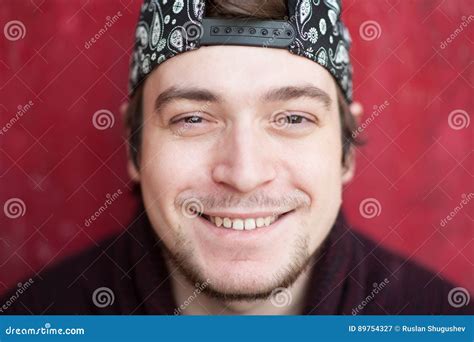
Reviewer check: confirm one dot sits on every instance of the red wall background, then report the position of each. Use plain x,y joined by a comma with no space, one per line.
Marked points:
416,165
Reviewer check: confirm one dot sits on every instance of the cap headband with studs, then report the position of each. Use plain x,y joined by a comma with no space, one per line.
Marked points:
313,29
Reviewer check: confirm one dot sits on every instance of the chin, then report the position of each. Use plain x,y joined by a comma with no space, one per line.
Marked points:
243,277
241,264
240,279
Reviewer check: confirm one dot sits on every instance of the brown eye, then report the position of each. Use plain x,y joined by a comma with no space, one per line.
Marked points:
295,119
192,124
288,119
192,120
188,120
293,123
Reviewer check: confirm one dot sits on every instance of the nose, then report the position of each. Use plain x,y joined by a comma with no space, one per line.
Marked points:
244,159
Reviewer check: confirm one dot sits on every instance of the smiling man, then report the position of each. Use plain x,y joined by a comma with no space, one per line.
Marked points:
259,157
240,128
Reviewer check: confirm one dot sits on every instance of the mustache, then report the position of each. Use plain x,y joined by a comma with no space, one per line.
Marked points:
192,201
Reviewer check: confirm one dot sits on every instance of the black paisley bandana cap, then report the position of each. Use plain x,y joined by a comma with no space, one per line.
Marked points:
313,29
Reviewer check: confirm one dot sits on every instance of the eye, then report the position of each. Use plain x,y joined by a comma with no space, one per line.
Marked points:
295,119
187,120
287,119
191,125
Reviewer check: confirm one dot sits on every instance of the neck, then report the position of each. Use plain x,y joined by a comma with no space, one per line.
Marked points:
191,300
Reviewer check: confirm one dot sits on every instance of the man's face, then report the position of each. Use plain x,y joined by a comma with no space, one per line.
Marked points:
250,137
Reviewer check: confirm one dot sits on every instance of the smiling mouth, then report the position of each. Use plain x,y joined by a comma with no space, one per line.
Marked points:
243,223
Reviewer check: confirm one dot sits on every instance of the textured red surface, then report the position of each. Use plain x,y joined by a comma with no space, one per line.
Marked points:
415,165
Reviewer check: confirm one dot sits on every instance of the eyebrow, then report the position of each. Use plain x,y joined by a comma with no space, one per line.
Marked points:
285,93
295,92
193,94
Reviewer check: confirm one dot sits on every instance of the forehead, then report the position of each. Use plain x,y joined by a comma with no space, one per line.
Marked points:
237,72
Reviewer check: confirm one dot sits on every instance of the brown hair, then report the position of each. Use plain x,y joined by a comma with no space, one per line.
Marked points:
269,9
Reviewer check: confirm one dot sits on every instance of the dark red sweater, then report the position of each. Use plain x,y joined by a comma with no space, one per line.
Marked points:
132,266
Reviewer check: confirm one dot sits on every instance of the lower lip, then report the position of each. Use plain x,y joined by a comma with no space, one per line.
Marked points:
222,232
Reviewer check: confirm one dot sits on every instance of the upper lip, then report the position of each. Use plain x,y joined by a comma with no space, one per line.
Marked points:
246,214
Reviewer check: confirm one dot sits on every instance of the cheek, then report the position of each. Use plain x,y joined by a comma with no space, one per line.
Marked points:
328,156
168,167
166,170
316,162
315,167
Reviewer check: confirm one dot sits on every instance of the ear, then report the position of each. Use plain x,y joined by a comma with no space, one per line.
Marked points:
356,110
131,168
349,168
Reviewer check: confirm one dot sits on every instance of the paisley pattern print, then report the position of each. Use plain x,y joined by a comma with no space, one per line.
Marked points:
167,28
156,29
323,31
304,11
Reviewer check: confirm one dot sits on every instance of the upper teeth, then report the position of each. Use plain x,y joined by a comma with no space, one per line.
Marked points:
241,223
